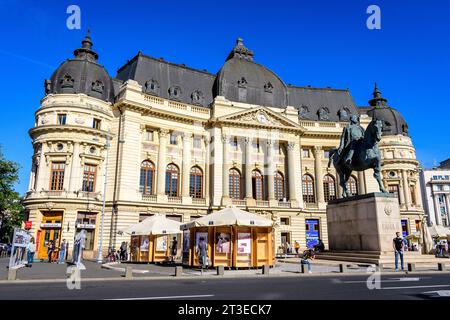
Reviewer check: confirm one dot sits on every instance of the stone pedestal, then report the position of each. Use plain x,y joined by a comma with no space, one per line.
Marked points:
363,223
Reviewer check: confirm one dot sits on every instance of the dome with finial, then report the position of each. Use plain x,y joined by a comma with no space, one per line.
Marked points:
242,80
82,74
393,122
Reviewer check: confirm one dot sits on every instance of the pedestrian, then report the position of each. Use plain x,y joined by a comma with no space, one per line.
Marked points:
446,253
123,251
320,246
202,252
50,250
308,255
289,248
62,252
31,249
173,249
285,249
296,247
398,244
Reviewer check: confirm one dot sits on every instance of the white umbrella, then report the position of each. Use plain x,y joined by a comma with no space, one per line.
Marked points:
437,231
155,225
229,217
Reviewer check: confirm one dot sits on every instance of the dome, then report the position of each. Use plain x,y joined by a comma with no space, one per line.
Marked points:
393,122
82,74
242,80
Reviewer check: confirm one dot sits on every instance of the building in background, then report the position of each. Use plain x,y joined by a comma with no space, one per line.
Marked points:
185,142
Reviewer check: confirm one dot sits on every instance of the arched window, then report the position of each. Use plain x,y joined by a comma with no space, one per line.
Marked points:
329,188
279,186
172,178
146,185
196,183
235,184
352,186
308,189
257,185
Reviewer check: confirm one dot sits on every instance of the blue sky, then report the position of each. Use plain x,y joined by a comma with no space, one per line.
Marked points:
318,43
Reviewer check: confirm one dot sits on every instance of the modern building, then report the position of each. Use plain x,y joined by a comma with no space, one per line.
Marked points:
167,138
445,164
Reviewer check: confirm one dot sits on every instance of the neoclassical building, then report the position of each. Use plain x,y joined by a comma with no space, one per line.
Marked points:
161,137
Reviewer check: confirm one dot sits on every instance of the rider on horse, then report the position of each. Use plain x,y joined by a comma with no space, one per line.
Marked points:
353,133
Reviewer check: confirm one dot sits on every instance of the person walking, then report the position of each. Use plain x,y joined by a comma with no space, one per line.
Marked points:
202,252
308,255
50,250
296,247
398,244
31,249
62,252
173,249
123,251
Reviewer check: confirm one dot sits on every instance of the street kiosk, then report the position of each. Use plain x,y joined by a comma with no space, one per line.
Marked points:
235,238
150,239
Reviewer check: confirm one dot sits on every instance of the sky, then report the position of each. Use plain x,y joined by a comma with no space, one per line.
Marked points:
318,43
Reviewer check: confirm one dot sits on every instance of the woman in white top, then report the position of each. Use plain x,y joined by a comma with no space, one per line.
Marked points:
31,248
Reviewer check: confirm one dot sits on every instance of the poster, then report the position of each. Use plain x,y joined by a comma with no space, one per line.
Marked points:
145,243
223,242
199,235
20,241
244,244
186,236
161,243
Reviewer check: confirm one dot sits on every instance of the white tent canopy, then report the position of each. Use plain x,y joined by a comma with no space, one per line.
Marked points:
437,231
229,217
155,225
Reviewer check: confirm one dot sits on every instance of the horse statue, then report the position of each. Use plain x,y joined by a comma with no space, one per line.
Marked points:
364,154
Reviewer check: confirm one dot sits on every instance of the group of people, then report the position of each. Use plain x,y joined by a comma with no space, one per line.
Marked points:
441,249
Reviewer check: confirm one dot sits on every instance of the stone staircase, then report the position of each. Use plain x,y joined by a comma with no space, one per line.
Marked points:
372,257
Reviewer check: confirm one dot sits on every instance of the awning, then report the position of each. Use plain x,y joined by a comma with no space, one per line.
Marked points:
155,225
229,217
437,231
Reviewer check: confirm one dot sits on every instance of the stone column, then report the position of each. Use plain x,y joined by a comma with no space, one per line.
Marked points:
418,194
248,170
437,211
447,204
206,191
318,174
291,170
161,166
225,168
270,174
74,175
186,167
361,183
406,188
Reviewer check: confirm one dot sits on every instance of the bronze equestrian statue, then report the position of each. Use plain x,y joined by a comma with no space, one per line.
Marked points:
358,151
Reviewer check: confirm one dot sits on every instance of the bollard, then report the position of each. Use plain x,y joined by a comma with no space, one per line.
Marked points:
128,272
220,271
12,274
441,266
265,269
411,267
178,271
342,268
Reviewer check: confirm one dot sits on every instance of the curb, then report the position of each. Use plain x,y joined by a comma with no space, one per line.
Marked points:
110,266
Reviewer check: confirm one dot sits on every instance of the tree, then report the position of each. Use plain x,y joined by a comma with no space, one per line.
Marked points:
11,209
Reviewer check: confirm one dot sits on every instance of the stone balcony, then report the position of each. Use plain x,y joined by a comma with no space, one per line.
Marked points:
63,194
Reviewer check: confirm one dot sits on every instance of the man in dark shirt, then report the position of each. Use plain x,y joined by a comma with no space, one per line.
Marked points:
398,246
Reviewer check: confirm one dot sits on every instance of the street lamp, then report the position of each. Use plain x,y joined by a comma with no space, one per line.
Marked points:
100,245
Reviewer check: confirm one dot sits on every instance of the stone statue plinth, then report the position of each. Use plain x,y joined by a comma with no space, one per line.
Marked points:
363,223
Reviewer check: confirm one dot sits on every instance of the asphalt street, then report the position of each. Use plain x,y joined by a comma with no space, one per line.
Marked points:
391,287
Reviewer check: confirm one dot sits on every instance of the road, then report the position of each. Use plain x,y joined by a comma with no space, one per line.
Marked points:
391,287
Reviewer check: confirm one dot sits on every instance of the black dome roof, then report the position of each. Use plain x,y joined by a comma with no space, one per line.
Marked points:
82,74
393,122
241,79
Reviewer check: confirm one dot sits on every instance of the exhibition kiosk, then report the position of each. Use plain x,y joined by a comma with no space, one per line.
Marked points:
235,238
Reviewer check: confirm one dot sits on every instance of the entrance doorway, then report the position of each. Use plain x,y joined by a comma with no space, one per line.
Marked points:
50,231
312,232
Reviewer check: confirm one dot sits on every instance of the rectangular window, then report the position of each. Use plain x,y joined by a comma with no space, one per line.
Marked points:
62,117
326,154
234,144
57,176
173,138
89,178
394,188
197,143
284,221
305,153
96,123
148,135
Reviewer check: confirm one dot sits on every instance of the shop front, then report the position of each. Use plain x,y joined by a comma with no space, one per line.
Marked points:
50,230
86,221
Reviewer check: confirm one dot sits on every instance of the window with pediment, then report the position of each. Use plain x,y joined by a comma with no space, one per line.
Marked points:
151,87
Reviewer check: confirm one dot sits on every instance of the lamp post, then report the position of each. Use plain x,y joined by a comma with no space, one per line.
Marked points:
100,245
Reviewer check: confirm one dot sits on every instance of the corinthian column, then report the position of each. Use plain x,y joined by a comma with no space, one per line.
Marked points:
187,142
225,178
291,170
437,211
161,174
270,171
248,168
318,174
406,188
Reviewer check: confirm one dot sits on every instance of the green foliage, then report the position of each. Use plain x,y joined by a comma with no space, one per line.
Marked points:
11,209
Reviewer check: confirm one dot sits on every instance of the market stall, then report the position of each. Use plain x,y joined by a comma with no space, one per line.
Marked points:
150,238
235,238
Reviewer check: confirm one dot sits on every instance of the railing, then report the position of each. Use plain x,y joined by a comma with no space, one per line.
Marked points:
53,193
238,202
200,110
262,203
89,195
311,205
200,201
149,197
174,199
177,105
284,204
153,99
